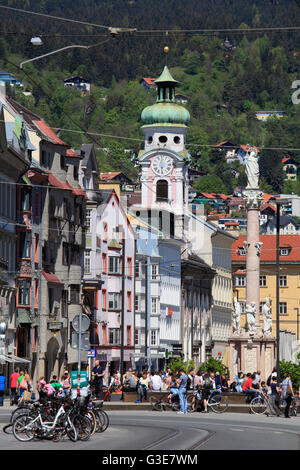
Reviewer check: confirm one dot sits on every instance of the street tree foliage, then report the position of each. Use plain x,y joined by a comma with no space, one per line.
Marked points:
226,77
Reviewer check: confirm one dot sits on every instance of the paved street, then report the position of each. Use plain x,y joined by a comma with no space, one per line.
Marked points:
146,430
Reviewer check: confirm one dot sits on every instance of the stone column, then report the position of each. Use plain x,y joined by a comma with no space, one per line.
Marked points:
253,199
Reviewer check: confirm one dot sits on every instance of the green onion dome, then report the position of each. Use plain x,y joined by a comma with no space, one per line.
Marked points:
165,110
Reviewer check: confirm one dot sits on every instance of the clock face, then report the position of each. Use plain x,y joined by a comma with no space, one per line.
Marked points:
162,165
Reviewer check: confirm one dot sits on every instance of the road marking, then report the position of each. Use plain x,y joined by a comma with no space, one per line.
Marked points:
236,429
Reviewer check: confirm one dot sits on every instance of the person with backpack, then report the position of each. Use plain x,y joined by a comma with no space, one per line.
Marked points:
207,386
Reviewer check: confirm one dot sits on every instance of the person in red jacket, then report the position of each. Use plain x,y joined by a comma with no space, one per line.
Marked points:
13,387
247,387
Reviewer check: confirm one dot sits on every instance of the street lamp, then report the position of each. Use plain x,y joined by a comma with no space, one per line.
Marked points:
190,278
113,32
279,203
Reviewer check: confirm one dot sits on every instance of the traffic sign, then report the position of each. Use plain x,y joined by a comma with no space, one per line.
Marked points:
85,340
91,353
85,323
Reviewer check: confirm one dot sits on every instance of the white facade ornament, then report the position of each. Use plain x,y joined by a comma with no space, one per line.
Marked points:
236,316
250,312
267,317
252,169
258,246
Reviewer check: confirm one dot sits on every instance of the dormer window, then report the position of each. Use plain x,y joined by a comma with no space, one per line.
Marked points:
242,252
284,251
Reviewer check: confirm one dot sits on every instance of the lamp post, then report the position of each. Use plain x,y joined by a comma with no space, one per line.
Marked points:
190,278
279,203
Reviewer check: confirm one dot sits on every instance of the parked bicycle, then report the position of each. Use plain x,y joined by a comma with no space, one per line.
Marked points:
217,402
162,402
28,426
260,405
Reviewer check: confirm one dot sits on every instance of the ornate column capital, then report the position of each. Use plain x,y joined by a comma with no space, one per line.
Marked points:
253,198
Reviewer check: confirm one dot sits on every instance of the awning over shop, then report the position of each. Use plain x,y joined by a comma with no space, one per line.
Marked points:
13,359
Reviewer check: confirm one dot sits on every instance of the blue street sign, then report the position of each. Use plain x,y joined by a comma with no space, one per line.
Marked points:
91,353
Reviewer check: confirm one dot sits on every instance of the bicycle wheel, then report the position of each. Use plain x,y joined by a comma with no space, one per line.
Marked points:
83,426
218,404
191,404
23,429
258,406
8,429
156,404
71,431
91,416
102,420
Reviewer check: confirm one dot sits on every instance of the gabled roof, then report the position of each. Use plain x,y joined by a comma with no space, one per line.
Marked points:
246,148
149,81
268,250
48,134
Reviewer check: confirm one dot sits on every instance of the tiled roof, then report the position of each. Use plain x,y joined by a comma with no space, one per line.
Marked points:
268,251
149,81
109,176
71,153
49,133
51,277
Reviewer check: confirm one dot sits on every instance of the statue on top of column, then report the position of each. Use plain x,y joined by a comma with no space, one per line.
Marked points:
252,168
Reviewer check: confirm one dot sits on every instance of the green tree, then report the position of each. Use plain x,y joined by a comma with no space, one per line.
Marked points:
210,184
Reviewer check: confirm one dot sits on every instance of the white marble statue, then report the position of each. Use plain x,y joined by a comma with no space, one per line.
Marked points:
267,317
252,169
236,316
250,312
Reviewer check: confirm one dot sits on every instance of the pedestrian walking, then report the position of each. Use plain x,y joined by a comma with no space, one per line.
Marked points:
182,389
287,394
13,387
274,398
2,388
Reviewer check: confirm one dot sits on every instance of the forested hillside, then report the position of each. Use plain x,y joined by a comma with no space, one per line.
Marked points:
225,85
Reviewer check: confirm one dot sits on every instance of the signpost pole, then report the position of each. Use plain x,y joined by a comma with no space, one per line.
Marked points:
79,352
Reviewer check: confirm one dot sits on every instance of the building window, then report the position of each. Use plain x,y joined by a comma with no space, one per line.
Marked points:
64,303
114,301
136,303
282,281
25,244
51,299
154,305
284,251
114,265
104,299
154,272
240,281
87,262
136,337
88,220
75,172
262,281
282,308
162,189
65,254
24,292
153,339
114,336
129,301
104,263
129,267
242,252
128,335
74,294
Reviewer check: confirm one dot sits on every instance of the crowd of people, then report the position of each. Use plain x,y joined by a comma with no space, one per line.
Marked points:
179,383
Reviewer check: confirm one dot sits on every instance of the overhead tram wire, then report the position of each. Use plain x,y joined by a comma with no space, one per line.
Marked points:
162,31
